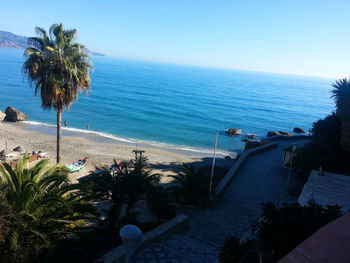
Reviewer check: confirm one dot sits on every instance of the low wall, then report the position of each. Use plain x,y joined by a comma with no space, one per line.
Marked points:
237,165
288,138
170,227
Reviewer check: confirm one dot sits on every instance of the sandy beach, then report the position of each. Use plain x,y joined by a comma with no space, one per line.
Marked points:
99,150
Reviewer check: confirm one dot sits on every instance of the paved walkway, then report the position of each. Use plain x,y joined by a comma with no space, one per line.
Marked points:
260,179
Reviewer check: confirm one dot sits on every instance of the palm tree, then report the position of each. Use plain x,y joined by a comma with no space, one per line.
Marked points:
58,67
191,184
43,206
341,96
125,188
136,182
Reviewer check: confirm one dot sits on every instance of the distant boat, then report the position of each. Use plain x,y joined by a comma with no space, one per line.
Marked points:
77,165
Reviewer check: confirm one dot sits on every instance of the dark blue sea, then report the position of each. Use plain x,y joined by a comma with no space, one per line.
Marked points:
175,105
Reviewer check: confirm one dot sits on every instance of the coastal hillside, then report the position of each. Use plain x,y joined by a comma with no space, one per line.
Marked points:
10,40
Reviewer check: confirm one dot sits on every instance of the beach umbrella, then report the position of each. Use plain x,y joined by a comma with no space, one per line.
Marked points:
18,149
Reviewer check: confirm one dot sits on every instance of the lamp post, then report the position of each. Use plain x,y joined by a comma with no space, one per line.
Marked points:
131,236
294,146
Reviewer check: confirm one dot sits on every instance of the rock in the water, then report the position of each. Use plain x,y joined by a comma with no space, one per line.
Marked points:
285,133
251,136
13,114
252,144
298,130
227,157
274,133
234,132
2,116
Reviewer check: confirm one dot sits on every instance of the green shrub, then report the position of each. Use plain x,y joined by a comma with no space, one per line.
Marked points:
191,184
278,232
281,229
324,149
233,251
158,203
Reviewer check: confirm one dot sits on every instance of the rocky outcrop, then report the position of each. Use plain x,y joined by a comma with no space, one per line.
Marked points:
234,132
2,116
285,133
13,114
298,130
251,136
274,133
253,144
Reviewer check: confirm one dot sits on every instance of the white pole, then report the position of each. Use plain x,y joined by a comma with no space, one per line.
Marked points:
212,167
294,146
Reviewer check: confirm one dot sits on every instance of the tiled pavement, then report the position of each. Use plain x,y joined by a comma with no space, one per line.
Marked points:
261,179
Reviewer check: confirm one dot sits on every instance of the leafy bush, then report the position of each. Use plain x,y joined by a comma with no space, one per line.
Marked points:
191,184
278,232
158,203
324,149
327,129
131,184
38,207
235,251
281,229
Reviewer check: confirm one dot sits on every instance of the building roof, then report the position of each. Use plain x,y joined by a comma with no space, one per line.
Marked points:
329,244
328,189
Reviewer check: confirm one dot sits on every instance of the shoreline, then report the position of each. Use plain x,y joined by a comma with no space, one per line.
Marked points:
115,139
98,149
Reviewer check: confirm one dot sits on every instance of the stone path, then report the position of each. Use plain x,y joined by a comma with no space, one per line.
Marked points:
260,179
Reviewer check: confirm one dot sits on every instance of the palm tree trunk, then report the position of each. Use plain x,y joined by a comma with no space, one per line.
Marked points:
59,113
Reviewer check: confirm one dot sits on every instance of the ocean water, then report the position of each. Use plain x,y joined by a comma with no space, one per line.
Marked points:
175,105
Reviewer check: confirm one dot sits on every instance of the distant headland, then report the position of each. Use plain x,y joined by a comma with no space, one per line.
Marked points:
10,40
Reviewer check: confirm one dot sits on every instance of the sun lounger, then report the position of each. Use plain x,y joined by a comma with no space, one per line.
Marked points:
9,155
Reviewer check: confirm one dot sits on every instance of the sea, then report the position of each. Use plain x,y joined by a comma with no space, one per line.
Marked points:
174,106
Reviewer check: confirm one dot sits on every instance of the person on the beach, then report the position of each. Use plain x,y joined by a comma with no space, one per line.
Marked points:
87,127
65,123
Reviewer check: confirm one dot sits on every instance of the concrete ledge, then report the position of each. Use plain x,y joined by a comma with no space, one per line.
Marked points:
237,165
288,138
170,227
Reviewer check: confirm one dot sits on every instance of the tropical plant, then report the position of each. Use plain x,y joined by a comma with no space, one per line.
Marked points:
136,182
105,186
341,96
324,149
125,189
191,184
41,206
158,203
327,129
58,68
279,230
233,250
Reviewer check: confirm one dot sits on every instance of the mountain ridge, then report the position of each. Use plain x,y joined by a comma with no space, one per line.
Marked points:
10,40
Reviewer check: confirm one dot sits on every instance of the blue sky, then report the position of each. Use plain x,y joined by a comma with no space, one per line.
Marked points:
308,37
